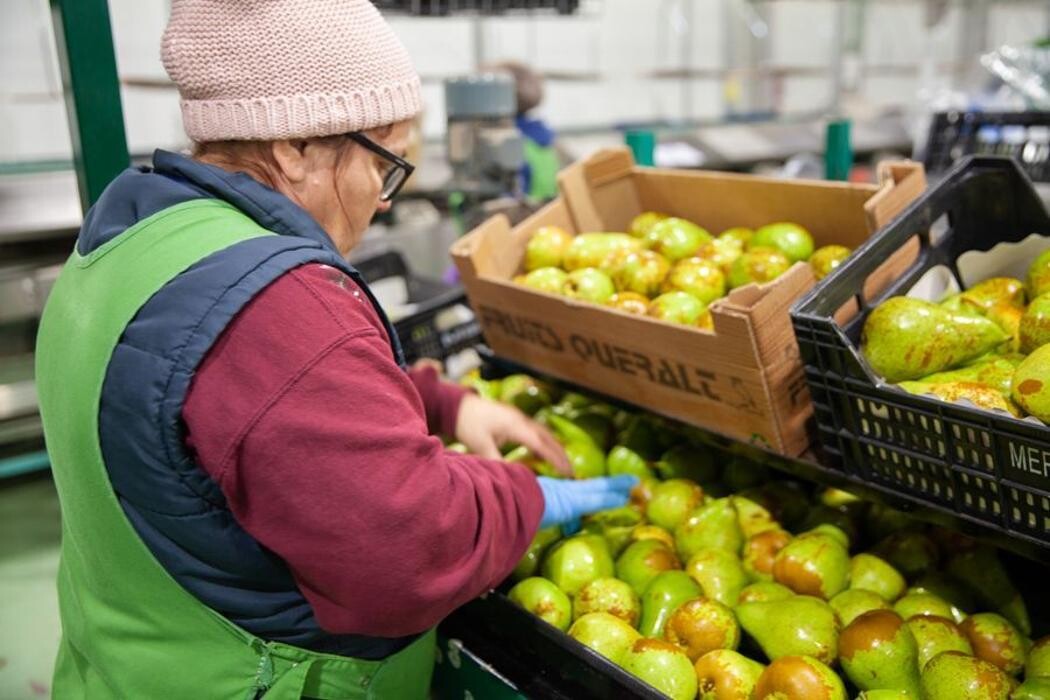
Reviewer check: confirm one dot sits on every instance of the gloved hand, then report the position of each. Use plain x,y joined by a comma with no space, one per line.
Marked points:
566,501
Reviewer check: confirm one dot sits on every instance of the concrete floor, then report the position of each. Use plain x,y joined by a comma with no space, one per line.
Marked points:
29,627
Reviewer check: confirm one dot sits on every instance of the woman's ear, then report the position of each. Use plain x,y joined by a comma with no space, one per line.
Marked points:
291,158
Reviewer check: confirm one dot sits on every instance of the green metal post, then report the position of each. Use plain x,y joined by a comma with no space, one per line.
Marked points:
92,91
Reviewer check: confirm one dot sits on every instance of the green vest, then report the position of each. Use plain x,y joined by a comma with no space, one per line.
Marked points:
543,170
129,629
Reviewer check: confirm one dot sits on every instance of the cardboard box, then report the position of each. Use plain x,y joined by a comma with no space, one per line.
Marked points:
745,378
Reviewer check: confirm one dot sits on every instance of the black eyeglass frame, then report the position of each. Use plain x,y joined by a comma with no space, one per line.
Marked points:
394,180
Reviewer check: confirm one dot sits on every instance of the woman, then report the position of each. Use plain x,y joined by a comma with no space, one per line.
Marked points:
254,502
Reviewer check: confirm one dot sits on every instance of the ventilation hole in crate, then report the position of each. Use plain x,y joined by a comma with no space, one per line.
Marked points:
1045,502
1029,499
986,440
939,228
989,463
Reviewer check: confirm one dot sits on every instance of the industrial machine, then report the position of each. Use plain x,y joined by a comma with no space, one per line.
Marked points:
484,148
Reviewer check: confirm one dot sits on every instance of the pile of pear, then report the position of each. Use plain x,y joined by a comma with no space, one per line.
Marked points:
720,582
667,267
989,345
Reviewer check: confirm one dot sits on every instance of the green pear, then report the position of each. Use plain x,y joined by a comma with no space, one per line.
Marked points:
615,525
785,500
764,591
911,553
980,570
760,551
947,588
869,572
739,234
641,224
713,524
984,295
701,278
722,252
724,674
752,517
672,502
1031,389
597,425
544,600
642,561
547,247
1032,689
458,448
742,473
604,633
530,561
631,302
640,271
652,532
676,238
589,284
546,279
663,666
854,602
995,371
886,694
641,435
980,395
608,595
677,307
802,625
877,650
799,677
624,460
920,603
1038,661
758,265
1037,281
833,522
906,338
814,564
827,258
1008,317
837,498
525,393
702,625
952,675
687,462
586,458
934,635
996,640
792,240
720,574
883,521
842,535
1034,330
665,592
576,561
592,249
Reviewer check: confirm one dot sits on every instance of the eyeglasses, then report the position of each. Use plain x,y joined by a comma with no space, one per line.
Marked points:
398,171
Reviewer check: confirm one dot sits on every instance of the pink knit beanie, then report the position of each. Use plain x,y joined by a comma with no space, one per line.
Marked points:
278,69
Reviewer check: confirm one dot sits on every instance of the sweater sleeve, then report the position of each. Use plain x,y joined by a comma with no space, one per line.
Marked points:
441,399
325,457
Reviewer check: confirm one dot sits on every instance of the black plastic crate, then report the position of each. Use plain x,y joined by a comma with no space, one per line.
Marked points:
420,333
981,466
1024,136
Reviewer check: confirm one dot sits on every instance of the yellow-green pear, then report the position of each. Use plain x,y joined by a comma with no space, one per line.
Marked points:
906,338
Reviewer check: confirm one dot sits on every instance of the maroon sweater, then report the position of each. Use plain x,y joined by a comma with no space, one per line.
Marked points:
325,451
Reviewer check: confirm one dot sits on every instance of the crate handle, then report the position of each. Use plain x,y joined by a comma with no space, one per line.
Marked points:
974,195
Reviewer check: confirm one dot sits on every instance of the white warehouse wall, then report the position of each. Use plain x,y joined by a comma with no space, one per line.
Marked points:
616,61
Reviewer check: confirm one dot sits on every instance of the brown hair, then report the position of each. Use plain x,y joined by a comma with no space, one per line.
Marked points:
528,84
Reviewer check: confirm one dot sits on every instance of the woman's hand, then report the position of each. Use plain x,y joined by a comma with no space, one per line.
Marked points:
483,426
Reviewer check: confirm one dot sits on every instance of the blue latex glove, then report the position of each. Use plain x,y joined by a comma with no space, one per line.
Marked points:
566,501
